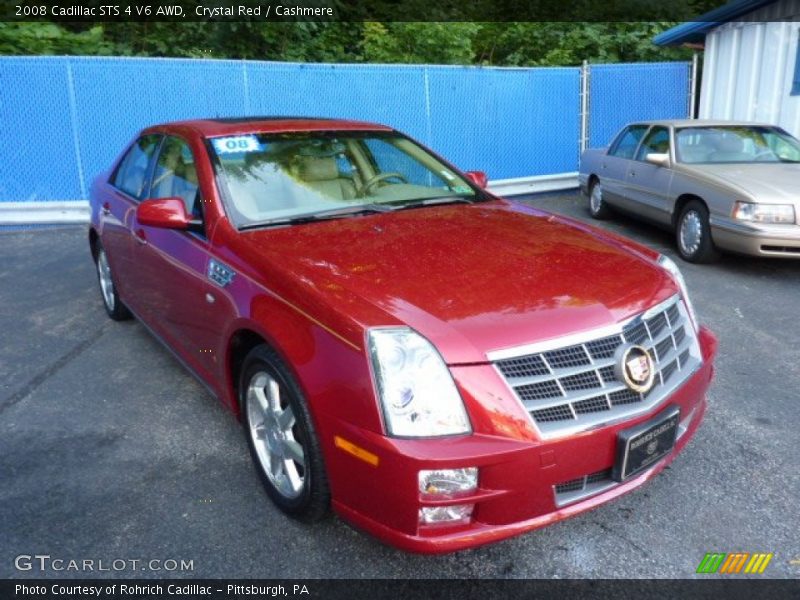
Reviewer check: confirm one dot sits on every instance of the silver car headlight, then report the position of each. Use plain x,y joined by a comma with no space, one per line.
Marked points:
668,264
417,393
763,213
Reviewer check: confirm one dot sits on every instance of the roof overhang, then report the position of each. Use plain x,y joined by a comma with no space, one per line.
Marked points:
695,31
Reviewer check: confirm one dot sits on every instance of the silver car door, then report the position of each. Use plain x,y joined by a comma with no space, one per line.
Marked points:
615,164
648,184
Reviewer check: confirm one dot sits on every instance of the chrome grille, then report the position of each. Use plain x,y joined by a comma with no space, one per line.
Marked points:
603,348
571,387
583,487
526,366
574,356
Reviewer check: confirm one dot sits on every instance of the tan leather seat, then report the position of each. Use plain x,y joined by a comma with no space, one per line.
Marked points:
730,148
322,175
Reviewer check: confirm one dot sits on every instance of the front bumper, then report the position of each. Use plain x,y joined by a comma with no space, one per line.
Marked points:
779,241
517,481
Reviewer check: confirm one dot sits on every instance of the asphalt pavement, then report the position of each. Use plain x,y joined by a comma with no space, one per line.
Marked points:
110,451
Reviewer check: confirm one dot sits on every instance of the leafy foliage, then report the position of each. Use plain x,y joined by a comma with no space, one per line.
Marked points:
49,38
512,44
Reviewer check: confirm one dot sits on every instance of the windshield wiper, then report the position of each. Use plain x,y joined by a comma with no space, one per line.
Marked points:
434,202
325,215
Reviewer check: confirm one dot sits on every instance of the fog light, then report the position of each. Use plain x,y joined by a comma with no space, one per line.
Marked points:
445,514
448,482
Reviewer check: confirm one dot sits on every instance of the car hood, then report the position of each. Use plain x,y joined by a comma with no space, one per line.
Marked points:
470,278
764,182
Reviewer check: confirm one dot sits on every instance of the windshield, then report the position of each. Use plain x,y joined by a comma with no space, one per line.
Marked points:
285,177
735,144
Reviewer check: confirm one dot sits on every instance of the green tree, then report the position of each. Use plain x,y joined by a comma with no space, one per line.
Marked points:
50,38
439,43
501,44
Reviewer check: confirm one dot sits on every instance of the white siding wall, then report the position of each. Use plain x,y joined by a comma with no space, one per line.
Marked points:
748,68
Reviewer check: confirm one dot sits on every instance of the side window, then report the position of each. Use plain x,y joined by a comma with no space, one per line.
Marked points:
625,145
656,142
176,175
132,171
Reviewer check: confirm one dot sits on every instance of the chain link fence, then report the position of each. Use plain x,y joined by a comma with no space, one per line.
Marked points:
621,93
64,119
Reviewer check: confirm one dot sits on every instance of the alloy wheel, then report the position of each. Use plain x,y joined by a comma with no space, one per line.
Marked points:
106,282
271,423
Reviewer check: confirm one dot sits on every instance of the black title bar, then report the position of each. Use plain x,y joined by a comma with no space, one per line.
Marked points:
346,10
218,589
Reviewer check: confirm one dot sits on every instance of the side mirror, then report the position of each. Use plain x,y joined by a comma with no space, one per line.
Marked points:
657,158
478,178
167,213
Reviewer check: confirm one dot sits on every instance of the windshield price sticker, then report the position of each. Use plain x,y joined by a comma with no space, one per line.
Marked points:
237,144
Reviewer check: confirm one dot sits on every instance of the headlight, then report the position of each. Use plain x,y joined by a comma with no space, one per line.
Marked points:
673,269
417,392
764,213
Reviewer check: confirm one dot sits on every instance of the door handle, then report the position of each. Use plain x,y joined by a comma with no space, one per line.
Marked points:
139,236
633,173
106,209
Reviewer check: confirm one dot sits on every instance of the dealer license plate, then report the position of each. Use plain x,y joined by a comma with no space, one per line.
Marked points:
638,448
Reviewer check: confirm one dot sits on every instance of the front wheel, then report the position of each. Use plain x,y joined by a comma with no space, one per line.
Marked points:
281,437
693,234
113,305
597,206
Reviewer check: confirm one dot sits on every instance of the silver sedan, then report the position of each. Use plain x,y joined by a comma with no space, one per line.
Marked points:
719,185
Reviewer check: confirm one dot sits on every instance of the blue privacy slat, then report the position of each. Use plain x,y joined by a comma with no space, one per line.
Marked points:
507,122
389,95
61,117
37,149
118,97
620,94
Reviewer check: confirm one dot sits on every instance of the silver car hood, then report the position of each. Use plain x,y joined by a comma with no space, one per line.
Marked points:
763,182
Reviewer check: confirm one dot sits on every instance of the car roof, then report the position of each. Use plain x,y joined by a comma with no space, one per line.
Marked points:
219,126
702,123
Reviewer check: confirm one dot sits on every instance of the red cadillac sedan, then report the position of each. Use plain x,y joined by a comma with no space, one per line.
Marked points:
442,367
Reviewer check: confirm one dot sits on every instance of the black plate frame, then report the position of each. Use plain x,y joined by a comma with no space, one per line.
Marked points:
621,471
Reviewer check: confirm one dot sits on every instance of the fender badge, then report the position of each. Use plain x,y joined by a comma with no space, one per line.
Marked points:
219,273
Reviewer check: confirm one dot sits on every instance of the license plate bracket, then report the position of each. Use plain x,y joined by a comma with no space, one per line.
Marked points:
639,447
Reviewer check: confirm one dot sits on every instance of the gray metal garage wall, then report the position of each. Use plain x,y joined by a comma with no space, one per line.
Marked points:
63,119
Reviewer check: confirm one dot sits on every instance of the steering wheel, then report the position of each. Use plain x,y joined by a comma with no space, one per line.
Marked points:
766,153
376,179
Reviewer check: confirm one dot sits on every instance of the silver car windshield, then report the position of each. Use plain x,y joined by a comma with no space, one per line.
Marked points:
735,144
283,178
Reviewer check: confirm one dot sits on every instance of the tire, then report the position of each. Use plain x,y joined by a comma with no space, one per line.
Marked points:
281,437
108,290
693,234
597,206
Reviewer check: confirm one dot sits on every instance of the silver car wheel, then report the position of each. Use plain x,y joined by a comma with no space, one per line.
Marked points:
270,426
596,198
106,283
691,234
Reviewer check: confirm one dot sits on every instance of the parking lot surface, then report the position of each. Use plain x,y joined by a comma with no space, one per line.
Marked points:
110,450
